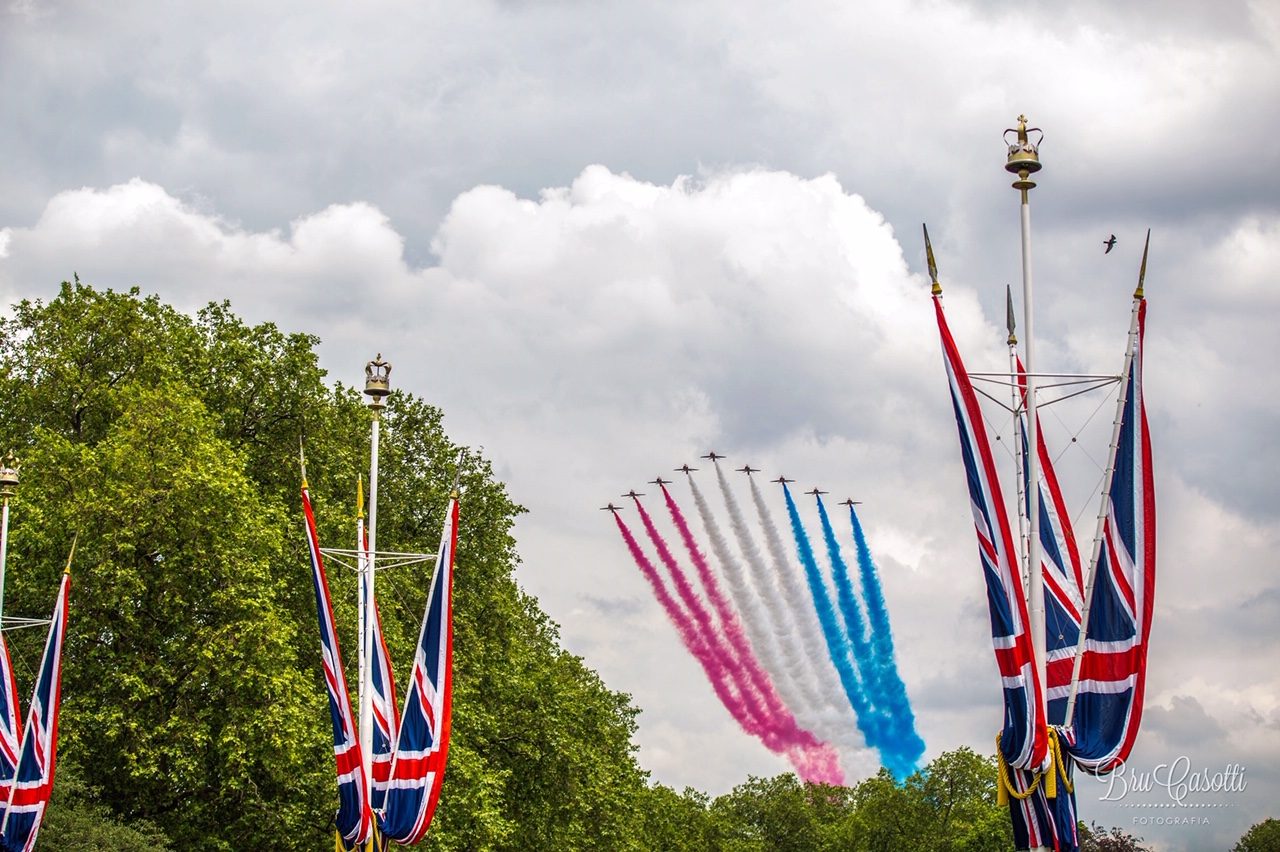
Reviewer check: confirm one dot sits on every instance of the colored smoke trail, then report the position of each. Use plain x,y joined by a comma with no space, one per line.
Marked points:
798,607
724,655
855,625
909,744
757,599
837,643
689,634
778,717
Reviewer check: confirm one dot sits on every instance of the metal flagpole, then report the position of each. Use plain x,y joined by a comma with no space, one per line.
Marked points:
1023,161
1017,432
8,487
377,384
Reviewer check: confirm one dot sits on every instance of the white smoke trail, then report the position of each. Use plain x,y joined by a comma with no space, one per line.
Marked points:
784,653
754,621
840,723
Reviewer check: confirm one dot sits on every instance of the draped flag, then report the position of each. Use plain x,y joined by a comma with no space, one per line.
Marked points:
353,818
1023,739
422,746
10,727
1112,679
33,782
1060,562
386,719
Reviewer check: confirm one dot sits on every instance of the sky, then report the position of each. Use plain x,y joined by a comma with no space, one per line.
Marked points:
608,237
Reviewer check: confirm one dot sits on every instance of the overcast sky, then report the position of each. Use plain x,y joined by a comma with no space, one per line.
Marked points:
607,237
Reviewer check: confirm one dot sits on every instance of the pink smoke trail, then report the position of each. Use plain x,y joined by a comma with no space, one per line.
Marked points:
691,637
776,715
728,662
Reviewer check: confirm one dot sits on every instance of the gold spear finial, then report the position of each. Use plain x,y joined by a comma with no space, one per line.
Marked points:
72,554
1142,270
933,266
1009,321
302,462
360,497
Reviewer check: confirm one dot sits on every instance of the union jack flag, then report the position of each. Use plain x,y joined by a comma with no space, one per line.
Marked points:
1023,739
34,780
353,819
1060,563
386,719
417,769
10,726
1108,706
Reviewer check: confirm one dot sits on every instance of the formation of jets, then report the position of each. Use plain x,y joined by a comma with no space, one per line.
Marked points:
746,468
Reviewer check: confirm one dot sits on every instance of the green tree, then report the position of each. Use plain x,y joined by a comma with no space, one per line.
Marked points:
1095,838
193,695
1262,837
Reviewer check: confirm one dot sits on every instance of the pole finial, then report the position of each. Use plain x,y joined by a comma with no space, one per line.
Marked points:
72,554
1009,321
377,382
1142,270
933,265
9,475
302,462
1024,155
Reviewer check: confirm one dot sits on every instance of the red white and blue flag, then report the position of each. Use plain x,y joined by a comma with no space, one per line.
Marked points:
386,719
417,769
1023,739
1108,706
1060,564
10,726
353,819
37,757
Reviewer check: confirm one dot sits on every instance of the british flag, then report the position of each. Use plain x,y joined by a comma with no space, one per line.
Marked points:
1060,564
353,819
417,769
10,726
1023,739
33,782
1108,707
386,719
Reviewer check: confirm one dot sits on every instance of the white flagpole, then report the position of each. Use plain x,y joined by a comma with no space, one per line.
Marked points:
8,487
1024,160
1017,434
376,386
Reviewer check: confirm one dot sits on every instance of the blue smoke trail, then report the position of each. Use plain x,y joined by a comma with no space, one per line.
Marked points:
837,643
911,746
868,665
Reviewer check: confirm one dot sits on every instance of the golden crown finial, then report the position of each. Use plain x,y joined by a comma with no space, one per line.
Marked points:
1024,155
377,381
9,475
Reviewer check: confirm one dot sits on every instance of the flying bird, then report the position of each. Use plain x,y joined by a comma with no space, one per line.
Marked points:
1110,243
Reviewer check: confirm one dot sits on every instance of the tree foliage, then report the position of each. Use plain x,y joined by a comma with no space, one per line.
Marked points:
193,700
1262,837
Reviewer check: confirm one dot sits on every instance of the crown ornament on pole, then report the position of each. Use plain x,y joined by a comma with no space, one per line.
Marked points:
1024,155
9,475
377,382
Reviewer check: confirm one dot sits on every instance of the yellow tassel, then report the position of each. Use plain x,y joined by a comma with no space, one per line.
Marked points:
337,842
1051,777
